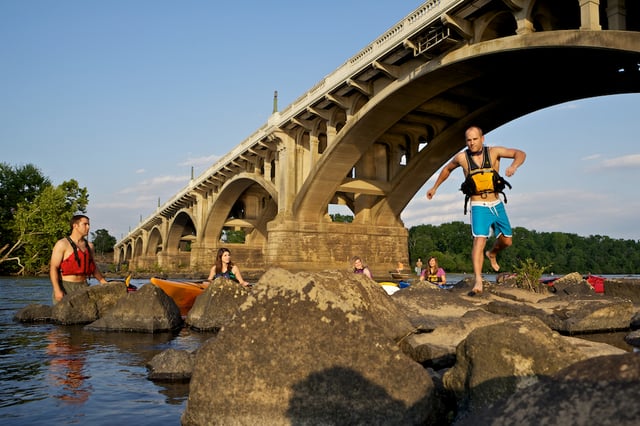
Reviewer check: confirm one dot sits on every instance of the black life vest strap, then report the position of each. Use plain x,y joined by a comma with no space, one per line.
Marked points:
77,256
486,159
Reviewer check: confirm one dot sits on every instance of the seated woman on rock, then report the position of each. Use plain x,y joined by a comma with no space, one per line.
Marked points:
224,267
433,273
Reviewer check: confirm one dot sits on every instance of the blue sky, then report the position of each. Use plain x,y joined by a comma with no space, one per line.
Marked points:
127,96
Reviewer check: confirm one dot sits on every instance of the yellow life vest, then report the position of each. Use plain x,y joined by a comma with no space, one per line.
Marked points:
482,180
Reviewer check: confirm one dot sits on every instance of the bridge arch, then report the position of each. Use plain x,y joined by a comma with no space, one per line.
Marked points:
176,253
259,199
550,78
154,244
371,134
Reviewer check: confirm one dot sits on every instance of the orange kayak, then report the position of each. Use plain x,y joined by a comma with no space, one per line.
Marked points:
182,292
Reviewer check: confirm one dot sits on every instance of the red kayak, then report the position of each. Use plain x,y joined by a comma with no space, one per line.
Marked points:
594,281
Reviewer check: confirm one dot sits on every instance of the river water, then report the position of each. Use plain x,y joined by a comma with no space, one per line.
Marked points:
63,375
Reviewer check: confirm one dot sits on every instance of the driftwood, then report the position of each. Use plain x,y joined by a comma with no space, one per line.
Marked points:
6,257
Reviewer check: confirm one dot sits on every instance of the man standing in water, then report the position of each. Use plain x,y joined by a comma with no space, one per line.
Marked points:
72,261
483,184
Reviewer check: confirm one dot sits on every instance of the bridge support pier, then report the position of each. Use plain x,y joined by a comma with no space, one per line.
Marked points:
330,245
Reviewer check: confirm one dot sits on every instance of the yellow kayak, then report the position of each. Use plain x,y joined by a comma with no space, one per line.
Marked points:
182,292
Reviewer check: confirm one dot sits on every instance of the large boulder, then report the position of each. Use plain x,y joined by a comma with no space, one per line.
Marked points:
311,348
437,348
87,305
217,305
444,318
572,314
626,288
572,284
34,312
496,360
148,310
597,391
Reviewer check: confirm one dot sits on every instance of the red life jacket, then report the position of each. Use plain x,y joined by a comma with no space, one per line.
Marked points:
78,263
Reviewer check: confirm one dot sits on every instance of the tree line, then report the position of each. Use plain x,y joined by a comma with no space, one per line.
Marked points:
557,252
34,214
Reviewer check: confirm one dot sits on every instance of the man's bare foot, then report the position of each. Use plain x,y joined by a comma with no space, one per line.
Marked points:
477,289
493,260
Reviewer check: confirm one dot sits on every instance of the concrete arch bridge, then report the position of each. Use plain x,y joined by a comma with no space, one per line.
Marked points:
369,135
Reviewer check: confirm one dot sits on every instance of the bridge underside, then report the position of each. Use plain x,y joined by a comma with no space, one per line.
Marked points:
371,141
487,84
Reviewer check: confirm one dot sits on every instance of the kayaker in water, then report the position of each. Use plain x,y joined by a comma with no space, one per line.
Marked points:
483,186
224,267
72,261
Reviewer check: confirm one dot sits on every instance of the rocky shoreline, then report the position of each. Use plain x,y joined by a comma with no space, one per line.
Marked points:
334,348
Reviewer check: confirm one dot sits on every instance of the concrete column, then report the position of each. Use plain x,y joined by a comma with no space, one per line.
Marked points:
313,150
617,15
286,172
590,15
304,246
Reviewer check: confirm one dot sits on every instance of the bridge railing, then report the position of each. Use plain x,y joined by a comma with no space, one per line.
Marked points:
423,16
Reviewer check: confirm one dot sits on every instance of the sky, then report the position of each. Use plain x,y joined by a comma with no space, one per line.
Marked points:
127,97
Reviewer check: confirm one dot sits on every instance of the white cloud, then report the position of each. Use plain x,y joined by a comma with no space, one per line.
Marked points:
591,157
154,183
625,161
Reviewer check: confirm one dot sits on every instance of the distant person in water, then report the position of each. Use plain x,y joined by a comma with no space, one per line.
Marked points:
482,186
433,272
72,261
419,266
224,267
359,267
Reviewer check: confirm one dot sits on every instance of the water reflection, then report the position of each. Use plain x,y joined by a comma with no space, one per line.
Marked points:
67,368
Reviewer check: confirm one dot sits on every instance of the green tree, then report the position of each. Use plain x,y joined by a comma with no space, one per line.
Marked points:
39,224
20,184
337,217
102,241
451,243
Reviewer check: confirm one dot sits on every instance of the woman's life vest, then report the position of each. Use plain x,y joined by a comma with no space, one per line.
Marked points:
435,278
227,274
482,180
361,271
79,263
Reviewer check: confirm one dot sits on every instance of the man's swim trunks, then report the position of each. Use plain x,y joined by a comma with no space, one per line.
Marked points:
489,214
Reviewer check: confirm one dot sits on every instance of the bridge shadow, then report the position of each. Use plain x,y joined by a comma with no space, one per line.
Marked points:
342,396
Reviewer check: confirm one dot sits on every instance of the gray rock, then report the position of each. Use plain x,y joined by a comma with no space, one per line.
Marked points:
635,321
633,338
572,284
34,313
147,310
89,304
217,305
597,391
311,349
171,365
572,314
496,360
626,288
